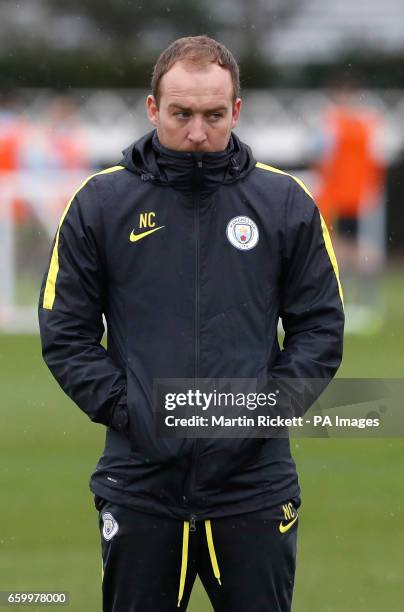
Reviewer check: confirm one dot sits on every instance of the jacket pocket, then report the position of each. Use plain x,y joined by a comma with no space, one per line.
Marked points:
120,416
143,437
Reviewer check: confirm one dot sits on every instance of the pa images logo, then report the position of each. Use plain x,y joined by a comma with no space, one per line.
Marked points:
242,233
110,527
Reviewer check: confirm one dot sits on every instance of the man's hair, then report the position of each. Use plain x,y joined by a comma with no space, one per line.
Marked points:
198,51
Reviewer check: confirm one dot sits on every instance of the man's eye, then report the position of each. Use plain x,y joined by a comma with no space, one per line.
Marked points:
214,117
181,114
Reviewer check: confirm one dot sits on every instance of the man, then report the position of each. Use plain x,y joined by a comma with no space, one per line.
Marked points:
192,251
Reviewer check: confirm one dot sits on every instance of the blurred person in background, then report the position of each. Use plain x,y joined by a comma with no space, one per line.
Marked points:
13,135
351,178
67,140
192,250
57,140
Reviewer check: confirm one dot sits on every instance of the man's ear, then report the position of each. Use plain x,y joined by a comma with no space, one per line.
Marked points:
152,110
236,113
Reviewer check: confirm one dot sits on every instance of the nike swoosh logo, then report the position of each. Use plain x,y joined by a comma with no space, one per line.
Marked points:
135,237
284,528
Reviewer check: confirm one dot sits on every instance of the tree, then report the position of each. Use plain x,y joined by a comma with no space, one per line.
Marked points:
122,22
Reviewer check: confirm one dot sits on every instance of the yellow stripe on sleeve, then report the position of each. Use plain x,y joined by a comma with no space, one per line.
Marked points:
331,255
50,287
277,171
324,229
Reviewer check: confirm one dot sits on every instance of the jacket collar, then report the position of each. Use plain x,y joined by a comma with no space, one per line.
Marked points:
188,172
193,171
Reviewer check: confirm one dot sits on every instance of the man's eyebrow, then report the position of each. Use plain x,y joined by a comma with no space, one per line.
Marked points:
216,109
175,105
188,109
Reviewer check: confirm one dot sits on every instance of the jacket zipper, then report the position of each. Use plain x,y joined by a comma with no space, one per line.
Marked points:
197,223
195,450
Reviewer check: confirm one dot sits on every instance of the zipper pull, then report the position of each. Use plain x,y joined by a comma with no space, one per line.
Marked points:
192,525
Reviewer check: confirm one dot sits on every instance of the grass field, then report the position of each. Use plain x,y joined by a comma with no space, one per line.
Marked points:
351,542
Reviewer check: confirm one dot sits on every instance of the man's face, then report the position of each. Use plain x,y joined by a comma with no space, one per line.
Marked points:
196,110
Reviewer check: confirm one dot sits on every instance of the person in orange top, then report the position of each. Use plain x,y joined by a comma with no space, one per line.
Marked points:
351,171
351,176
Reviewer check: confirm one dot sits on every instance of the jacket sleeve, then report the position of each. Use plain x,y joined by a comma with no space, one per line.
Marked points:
71,306
311,305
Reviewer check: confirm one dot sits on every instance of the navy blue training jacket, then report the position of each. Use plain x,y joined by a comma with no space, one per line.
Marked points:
231,246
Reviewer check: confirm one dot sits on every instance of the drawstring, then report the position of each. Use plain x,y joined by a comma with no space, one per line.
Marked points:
234,166
212,552
184,561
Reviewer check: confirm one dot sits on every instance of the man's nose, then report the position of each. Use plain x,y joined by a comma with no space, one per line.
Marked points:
197,132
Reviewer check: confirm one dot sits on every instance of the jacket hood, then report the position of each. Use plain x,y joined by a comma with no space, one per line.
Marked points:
188,171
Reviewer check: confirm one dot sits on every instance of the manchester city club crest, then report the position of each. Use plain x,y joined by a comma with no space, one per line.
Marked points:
242,233
110,527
